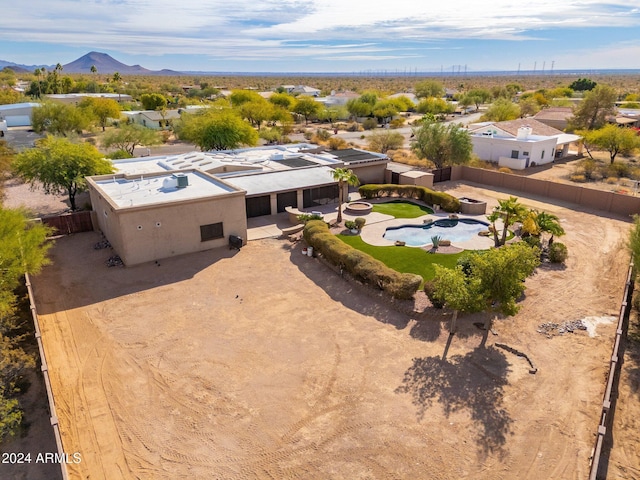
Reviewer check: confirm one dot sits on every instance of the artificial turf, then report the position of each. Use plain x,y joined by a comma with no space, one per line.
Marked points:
404,259
401,209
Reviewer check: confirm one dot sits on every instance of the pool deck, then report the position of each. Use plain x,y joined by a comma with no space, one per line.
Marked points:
372,233
271,226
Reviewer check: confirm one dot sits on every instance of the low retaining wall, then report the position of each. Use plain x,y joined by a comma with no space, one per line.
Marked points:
47,380
611,393
587,197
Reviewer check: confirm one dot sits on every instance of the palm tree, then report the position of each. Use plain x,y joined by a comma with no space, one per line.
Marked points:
549,223
510,211
116,79
344,176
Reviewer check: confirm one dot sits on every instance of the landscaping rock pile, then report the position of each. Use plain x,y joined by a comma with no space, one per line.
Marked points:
550,329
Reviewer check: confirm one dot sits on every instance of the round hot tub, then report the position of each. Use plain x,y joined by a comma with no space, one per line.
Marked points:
470,206
358,208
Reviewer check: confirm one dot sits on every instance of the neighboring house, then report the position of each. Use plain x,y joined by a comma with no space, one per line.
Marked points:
77,98
303,90
156,207
556,117
338,98
626,117
519,144
154,119
17,114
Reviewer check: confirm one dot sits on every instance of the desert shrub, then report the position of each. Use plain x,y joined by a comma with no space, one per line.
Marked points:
306,217
634,173
353,127
429,290
611,180
597,176
578,178
307,135
532,241
505,170
119,154
370,124
360,222
587,167
323,134
558,252
337,143
350,224
396,122
618,169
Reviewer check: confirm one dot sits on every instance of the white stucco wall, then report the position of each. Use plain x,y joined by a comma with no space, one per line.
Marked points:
539,150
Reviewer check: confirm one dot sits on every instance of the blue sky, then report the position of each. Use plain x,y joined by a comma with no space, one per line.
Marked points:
326,35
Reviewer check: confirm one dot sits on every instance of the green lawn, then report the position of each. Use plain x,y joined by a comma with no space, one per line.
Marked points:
401,209
404,259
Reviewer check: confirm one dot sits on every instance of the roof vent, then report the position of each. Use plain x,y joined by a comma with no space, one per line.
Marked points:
182,179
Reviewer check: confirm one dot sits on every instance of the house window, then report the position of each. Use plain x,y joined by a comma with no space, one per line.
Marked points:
211,231
514,153
526,154
542,156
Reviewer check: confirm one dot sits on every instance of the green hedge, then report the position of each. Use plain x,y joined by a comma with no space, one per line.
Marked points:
359,264
447,202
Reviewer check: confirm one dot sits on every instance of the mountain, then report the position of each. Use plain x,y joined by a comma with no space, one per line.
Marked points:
104,63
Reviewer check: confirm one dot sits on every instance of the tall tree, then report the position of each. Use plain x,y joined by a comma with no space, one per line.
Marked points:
612,139
500,275
61,166
216,130
153,101
345,177
128,137
592,111
501,110
103,109
442,144
59,119
307,107
429,88
456,291
23,248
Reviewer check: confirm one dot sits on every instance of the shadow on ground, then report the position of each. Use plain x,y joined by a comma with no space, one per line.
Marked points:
340,289
472,382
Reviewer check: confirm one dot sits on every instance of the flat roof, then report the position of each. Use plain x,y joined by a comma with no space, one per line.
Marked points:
266,159
135,191
271,182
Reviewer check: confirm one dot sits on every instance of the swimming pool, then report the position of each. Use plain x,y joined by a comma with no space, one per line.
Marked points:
456,230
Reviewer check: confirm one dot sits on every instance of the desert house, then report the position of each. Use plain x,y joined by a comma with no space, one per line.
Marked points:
157,207
17,114
519,144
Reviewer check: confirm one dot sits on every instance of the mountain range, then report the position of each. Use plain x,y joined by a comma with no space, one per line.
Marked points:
105,64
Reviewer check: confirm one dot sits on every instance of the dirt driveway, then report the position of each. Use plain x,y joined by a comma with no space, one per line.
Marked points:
263,363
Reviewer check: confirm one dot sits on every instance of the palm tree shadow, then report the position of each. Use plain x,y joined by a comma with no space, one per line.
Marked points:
474,382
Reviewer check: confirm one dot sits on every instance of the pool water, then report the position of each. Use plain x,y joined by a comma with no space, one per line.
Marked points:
456,230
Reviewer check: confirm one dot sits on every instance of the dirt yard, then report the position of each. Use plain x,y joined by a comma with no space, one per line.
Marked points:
264,363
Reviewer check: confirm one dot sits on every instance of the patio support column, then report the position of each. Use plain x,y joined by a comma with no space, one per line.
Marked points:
300,205
273,200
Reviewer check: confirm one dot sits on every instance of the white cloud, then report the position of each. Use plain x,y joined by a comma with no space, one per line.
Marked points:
249,29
